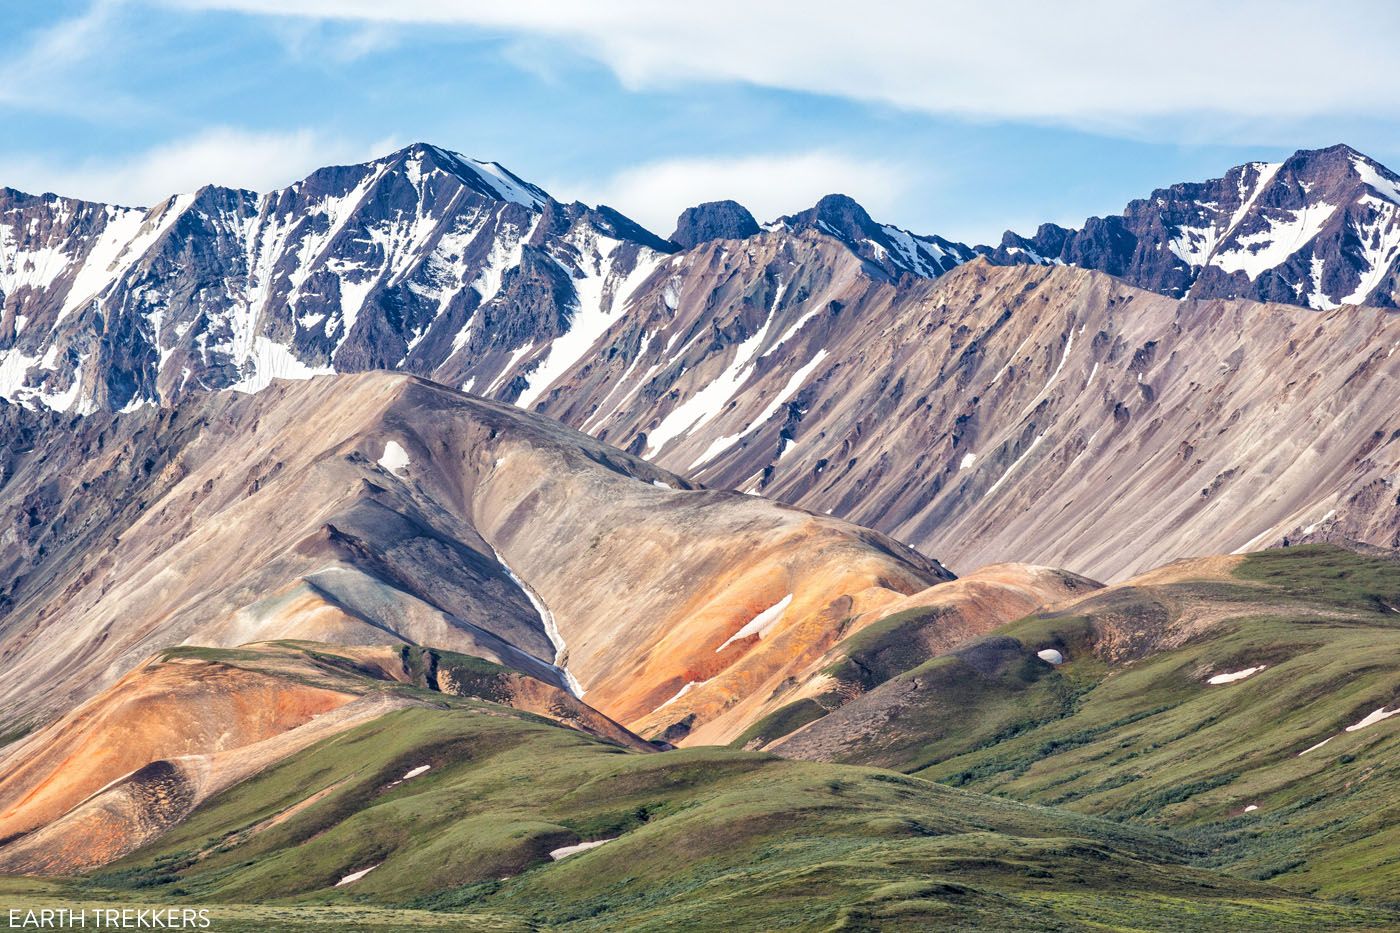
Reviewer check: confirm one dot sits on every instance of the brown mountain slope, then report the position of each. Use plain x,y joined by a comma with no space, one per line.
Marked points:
382,509
1052,415
882,643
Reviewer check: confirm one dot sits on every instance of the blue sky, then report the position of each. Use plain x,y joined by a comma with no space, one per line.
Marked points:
939,118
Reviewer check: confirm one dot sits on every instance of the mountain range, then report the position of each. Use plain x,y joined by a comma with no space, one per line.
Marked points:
408,548
804,358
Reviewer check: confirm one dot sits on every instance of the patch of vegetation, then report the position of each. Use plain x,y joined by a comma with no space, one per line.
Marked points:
1148,739
782,721
705,838
886,648
1328,574
15,734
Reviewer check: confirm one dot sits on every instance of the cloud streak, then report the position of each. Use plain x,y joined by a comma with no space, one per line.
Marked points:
227,156
1121,66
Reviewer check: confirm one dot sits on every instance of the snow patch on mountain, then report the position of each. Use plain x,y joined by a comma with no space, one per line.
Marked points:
395,458
594,312
760,624
1237,675
708,402
1257,253
268,360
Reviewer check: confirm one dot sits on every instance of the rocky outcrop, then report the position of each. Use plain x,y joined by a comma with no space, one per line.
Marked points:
890,249
422,261
713,220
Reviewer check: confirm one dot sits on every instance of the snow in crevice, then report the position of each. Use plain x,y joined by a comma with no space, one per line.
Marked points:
689,686
1367,721
411,774
1331,514
1387,188
1378,232
268,360
566,851
1030,448
791,388
709,401
1371,719
551,628
1264,173
355,876
594,311
1256,253
1313,748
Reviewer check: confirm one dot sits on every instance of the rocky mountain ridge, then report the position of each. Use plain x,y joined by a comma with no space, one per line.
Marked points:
1320,229
825,360
432,263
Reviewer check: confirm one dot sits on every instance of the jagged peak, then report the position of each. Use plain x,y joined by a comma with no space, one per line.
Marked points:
837,214
489,178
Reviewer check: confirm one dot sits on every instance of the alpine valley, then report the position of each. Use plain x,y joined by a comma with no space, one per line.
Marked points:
408,549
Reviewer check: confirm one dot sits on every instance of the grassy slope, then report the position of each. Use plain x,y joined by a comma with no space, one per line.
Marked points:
1150,741
708,839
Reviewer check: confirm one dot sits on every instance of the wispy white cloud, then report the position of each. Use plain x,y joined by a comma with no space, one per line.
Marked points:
335,43
769,185
1119,66
219,155
39,74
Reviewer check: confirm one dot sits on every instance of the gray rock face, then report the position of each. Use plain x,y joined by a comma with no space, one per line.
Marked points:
713,220
423,261
1320,229
986,412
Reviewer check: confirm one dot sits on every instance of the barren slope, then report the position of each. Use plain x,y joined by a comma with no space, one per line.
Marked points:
1051,415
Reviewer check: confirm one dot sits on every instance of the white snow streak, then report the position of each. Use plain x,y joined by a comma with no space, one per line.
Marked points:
551,629
566,851
356,875
1237,675
1373,718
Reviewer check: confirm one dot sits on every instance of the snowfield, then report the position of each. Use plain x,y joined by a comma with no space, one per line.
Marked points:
355,875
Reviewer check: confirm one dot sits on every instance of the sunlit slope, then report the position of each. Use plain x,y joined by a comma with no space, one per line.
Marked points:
1303,646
